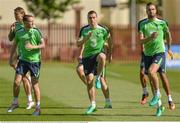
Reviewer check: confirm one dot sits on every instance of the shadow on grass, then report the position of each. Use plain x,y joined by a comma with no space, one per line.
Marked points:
92,115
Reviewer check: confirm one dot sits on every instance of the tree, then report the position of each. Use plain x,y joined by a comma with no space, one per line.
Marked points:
49,9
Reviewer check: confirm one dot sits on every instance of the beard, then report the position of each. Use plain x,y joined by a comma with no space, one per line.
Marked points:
151,15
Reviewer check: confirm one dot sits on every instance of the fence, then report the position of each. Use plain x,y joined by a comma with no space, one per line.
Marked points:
62,42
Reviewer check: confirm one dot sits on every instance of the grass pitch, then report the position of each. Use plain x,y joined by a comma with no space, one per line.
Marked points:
64,96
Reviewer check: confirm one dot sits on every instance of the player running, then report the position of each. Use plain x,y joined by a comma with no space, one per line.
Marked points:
152,32
93,37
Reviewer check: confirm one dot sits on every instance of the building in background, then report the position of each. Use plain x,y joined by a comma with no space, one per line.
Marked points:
110,11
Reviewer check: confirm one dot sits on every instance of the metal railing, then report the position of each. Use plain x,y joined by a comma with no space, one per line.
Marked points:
61,44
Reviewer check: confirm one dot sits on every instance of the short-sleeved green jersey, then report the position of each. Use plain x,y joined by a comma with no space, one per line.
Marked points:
18,26
96,42
147,27
33,36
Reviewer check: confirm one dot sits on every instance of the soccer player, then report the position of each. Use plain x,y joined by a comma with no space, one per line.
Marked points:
29,41
19,14
152,31
164,79
92,37
105,89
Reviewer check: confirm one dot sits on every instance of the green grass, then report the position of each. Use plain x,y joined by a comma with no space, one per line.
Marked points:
64,97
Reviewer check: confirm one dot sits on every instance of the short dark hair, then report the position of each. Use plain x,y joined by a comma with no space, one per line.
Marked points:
25,18
150,3
92,12
19,10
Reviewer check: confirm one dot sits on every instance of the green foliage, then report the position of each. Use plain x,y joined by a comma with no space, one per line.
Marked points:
49,9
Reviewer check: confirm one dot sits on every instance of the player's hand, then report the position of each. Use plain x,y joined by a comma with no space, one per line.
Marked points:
154,35
28,46
170,53
79,58
12,27
109,57
42,45
12,64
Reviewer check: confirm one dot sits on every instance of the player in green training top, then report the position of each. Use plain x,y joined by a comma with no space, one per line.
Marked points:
29,42
152,32
93,37
162,73
103,80
19,13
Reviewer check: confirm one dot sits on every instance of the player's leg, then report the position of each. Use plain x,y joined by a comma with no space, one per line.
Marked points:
16,90
166,87
105,89
28,90
106,94
80,72
165,83
143,80
157,61
26,84
34,70
152,73
91,94
37,96
20,71
157,95
147,63
89,68
101,59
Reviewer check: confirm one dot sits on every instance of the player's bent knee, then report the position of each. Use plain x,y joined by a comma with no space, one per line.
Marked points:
25,79
102,56
151,72
17,82
34,80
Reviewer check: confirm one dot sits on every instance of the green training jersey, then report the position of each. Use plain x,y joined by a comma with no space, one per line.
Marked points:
147,27
18,26
96,42
33,36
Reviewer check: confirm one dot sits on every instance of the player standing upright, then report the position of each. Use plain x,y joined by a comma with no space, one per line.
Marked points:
19,14
29,41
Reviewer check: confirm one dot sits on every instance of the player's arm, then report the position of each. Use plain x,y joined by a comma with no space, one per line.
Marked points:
11,34
110,47
29,46
39,36
147,39
142,37
83,39
12,53
81,49
169,41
